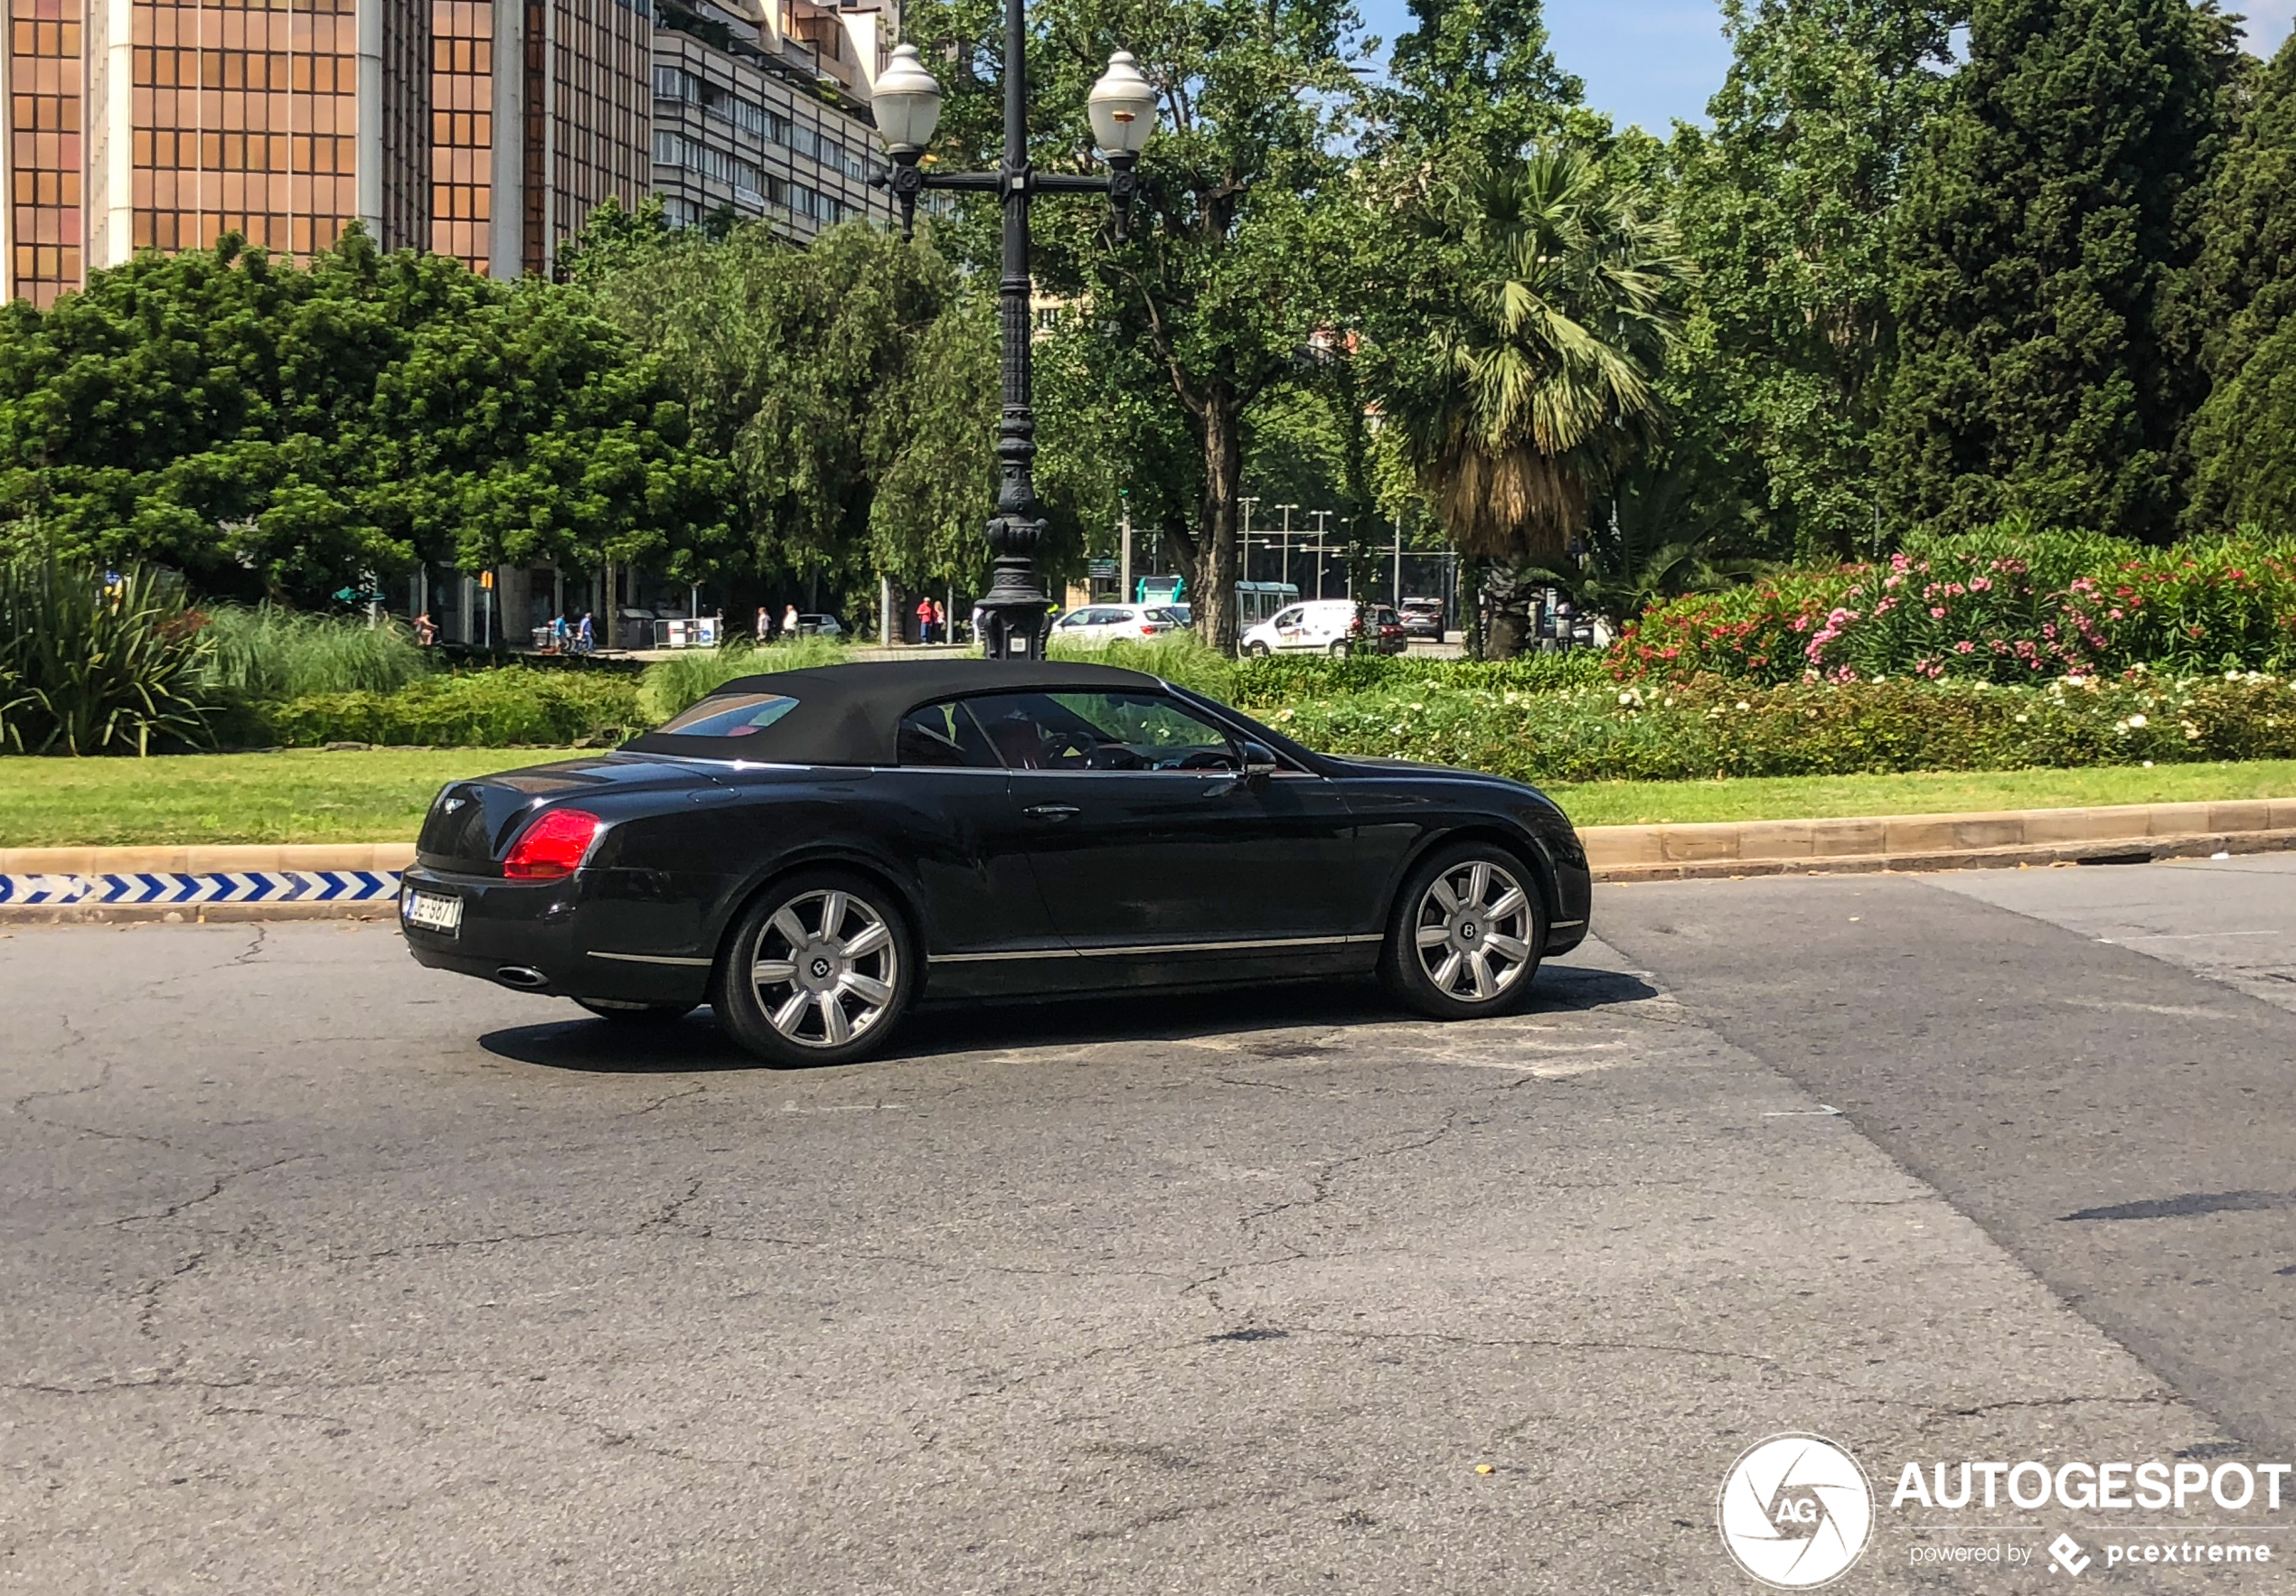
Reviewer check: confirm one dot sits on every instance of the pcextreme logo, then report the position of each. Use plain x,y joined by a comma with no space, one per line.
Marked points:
1796,1511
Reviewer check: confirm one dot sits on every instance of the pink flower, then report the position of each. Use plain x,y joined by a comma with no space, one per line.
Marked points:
1937,613
1964,647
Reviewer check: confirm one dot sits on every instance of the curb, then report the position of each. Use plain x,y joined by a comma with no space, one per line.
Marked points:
1994,840
209,885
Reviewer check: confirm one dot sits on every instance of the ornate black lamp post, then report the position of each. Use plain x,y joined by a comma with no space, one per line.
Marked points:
908,105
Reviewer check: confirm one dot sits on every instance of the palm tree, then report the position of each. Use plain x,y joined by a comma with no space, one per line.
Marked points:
1553,296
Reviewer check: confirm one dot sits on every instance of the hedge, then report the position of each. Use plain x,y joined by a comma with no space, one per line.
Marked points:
1715,728
502,708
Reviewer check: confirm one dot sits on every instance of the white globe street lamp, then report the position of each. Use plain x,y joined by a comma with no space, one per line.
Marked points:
907,103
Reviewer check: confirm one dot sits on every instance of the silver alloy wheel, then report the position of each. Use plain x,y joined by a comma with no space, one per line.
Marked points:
1471,932
825,967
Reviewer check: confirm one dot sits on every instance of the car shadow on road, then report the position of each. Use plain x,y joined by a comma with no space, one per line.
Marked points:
694,1043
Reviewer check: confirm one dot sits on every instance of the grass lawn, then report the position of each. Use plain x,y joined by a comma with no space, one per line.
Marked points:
1811,797
380,795
301,796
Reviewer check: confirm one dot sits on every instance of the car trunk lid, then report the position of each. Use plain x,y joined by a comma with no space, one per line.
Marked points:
472,822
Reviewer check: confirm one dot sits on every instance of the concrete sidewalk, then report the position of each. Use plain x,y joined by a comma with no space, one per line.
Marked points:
105,884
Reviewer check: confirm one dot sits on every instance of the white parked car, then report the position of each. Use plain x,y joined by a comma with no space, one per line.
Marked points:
1094,623
1321,625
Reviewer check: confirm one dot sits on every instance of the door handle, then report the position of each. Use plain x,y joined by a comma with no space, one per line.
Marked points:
1049,812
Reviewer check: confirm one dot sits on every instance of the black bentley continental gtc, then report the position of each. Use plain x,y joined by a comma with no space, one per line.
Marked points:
813,851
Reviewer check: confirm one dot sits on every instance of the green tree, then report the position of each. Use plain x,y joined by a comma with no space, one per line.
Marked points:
524,431
281,431
1786,206
1237,245
2239,294
850,387
2048,210
1475,79
1554,300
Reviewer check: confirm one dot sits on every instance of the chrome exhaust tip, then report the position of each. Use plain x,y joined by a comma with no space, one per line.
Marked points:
522,975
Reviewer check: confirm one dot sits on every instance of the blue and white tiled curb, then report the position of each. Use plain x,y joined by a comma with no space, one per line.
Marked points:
232,881
53,889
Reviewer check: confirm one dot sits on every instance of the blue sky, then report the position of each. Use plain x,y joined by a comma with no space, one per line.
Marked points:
1654,60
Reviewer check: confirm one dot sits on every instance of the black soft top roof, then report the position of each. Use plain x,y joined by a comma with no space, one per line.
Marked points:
852,714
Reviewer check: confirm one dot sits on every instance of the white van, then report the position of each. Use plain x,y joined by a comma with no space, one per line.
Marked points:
1321,625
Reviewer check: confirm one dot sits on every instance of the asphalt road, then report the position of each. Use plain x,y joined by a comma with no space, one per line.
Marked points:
327,1274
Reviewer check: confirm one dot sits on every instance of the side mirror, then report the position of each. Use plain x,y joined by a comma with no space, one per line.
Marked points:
1259,759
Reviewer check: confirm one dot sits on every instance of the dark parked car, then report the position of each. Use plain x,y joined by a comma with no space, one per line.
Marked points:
813,851
1389,633
1423,617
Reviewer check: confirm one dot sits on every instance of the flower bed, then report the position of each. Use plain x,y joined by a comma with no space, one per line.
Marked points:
1995,606
1711,727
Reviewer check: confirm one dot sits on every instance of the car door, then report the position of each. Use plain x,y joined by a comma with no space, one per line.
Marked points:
987,927
1290,628
1150,841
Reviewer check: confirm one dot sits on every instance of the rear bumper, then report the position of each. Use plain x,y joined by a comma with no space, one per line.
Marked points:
564,938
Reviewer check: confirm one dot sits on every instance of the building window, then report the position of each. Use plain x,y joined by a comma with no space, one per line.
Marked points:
462,131
45,217
253,125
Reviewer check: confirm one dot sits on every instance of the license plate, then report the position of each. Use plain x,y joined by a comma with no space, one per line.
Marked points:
433,913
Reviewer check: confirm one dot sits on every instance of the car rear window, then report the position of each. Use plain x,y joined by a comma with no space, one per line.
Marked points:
731,714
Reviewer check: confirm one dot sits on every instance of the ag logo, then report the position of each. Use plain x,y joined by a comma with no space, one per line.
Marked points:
1796,1511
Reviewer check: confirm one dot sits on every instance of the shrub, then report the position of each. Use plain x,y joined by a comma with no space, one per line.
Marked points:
1278,679
507,707
92,663
2003,606
271,652
1716,728
671,686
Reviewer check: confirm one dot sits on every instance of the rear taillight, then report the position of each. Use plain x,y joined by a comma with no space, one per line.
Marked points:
553,846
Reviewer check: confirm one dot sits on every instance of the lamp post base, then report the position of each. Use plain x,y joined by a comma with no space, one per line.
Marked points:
1014,610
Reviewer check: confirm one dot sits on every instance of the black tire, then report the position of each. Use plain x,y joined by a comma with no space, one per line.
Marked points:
616,1013
1477,946
1256,650
868,991
1339,649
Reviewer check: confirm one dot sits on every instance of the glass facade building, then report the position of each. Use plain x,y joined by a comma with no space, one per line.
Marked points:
44,143
485,130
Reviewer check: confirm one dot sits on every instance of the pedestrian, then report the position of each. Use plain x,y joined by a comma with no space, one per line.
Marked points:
977,622
561,634
426,630
765,624
585,634
789,621
924,620
940,621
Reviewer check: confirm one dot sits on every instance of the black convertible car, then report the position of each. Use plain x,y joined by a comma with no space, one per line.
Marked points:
812,852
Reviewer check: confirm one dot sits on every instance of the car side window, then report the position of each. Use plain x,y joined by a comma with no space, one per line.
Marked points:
947,736
1288,618
1102,731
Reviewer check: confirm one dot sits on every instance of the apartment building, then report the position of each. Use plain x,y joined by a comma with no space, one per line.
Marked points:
485,129
761,110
